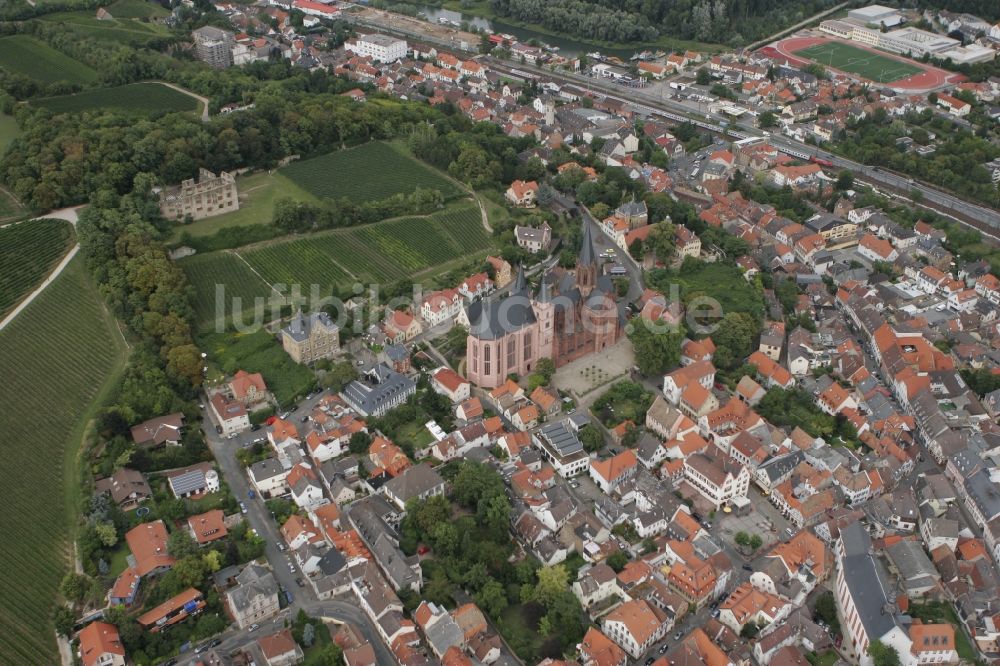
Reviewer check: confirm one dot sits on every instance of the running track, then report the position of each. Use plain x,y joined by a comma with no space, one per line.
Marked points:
930,79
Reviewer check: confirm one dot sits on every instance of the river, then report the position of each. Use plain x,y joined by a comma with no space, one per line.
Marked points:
568,48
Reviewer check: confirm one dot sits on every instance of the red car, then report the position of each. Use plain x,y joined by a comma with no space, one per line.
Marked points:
423,550
270,420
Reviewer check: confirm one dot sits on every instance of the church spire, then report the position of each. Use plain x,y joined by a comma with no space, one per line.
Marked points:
586,263
520,282
587,254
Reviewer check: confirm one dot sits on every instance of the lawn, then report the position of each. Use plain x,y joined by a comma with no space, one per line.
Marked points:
28,253
58,357
135,9
28,56
415,435
260,352
828,658
855,60
519,627
369,172
257,194
145,97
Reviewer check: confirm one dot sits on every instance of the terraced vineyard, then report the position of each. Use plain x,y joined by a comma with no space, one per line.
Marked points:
56,357
29,251
380,252
205,271
465,228
144,97
28,56
386,171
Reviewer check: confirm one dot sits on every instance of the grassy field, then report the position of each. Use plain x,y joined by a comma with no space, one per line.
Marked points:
57,357
257,194
259,352
136,9
28,56
380,252
28,252
119,31
8,131
145,97
854,60
388,170
720,281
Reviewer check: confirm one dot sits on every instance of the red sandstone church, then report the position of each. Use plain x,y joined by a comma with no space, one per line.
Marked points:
573,314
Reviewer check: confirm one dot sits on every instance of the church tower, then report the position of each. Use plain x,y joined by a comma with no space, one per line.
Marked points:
586,263
545,314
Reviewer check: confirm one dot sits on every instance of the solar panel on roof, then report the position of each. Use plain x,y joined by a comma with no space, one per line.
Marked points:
188,482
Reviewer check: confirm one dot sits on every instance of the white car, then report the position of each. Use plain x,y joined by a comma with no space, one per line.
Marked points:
291,567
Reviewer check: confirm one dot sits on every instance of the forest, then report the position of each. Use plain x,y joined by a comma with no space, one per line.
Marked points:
732,22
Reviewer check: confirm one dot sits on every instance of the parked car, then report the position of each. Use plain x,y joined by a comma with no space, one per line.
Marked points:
288,597
678,635
291,567
251,494
254,627
270,420
243,507
664,648
747,567
255,427
300,582
216,643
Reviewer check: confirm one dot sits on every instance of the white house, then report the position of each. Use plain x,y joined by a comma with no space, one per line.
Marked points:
380,48
449,383
231,416
636,626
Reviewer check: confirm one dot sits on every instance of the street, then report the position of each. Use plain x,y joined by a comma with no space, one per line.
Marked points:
260,520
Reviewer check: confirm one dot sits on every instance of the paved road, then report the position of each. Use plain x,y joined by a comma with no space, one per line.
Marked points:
260,519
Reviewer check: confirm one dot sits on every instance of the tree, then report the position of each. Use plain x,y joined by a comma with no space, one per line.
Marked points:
736,333
656,351
882,654
703,78
64,620
552,582
75,587
617,560
591,438
308,635
600,210
492,598
107,533
767,119
181,544
742,539
826,610
755,542
546,368
359,443
750,630
845,180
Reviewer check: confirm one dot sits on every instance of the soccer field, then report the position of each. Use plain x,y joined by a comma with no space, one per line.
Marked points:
854,60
